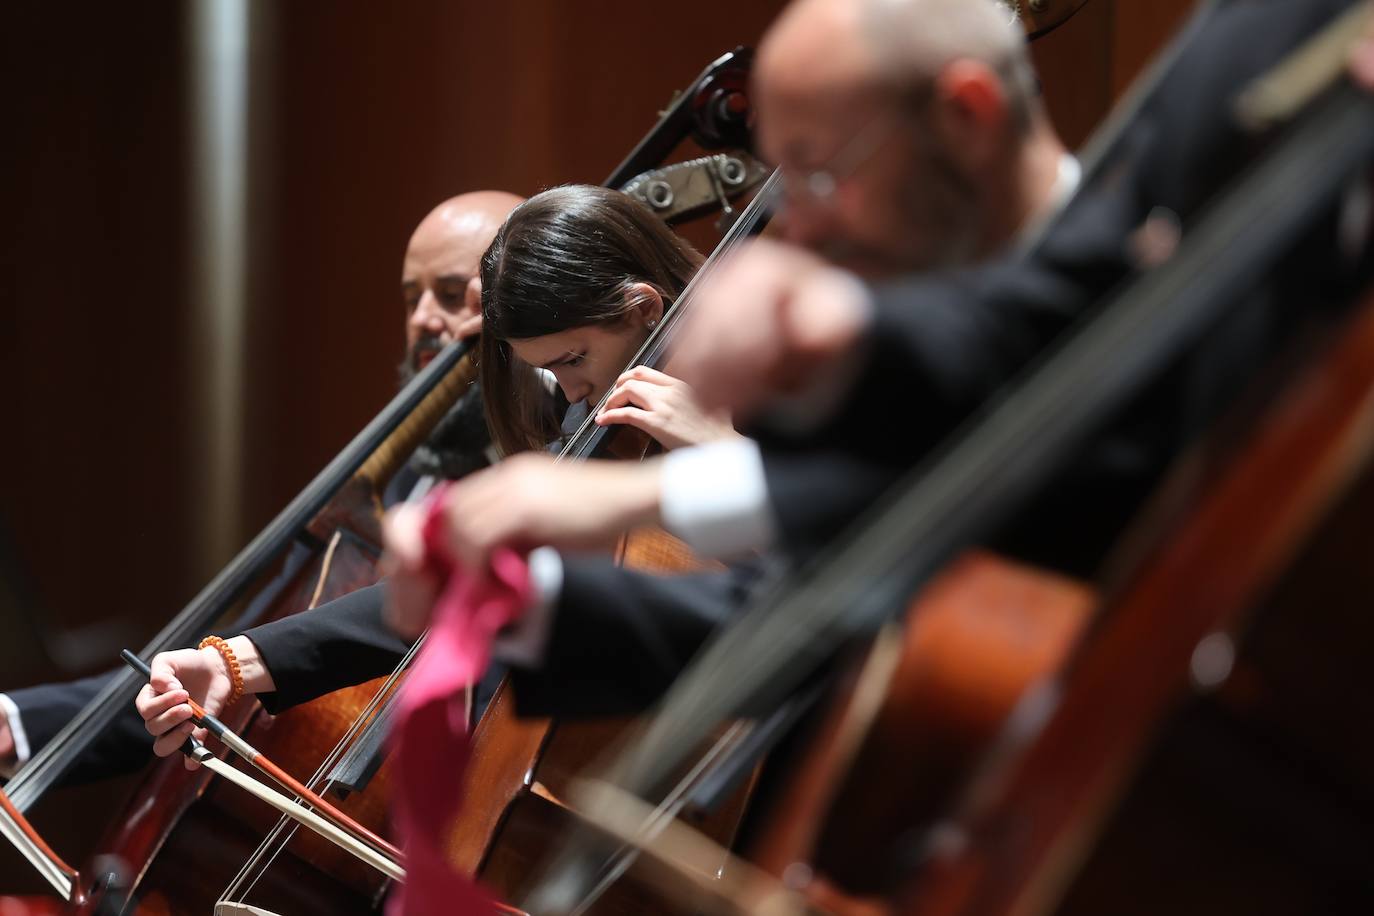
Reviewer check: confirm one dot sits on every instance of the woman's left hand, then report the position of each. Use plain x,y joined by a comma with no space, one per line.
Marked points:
664,407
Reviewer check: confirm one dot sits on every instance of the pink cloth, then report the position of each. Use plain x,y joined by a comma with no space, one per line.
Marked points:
430,734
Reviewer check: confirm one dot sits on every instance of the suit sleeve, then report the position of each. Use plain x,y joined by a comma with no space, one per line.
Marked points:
335,645
620,637
124,744
939,347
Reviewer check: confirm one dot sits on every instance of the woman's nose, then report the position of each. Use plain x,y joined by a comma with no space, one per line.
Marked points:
574,389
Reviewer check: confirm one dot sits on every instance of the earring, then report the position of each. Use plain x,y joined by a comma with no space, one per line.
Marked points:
652,323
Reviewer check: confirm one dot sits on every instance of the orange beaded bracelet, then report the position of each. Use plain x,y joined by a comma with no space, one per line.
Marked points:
230,660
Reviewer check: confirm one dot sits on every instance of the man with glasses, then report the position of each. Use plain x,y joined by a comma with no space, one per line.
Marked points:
910,133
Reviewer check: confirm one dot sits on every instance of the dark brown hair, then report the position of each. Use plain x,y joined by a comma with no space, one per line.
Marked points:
564,259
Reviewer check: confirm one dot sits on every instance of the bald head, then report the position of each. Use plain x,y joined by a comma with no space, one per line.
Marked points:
817,48
460,229
899,126
825,45
439,276
916,39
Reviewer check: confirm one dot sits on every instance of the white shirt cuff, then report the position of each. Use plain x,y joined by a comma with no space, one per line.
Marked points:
715,498
523,644
21,740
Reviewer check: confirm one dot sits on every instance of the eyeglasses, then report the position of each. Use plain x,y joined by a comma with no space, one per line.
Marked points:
820,184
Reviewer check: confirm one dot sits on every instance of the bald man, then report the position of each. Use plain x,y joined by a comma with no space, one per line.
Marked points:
441,305
439,284
910,133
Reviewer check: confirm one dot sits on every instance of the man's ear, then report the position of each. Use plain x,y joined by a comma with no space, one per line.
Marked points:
648,302
470,318
971,108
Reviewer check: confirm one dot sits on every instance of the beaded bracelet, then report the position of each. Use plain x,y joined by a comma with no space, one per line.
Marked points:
230,660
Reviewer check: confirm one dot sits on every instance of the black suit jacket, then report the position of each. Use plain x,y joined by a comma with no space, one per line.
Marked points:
943,344
123,746
617,639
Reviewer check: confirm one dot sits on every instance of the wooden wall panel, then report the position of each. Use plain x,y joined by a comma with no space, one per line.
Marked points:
1140,29
1075,66
94,296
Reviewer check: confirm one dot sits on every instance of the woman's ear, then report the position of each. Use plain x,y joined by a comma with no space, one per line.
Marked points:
648,303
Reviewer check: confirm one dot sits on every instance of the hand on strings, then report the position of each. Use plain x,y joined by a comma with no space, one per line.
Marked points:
9,755
196,674
773,321
665,408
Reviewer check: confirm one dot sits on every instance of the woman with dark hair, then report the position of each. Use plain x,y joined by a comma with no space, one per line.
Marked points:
574,282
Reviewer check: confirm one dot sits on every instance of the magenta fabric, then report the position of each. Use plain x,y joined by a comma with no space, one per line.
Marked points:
430,735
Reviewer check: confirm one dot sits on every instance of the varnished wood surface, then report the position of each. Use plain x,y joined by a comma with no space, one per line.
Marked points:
983,633
1030,820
